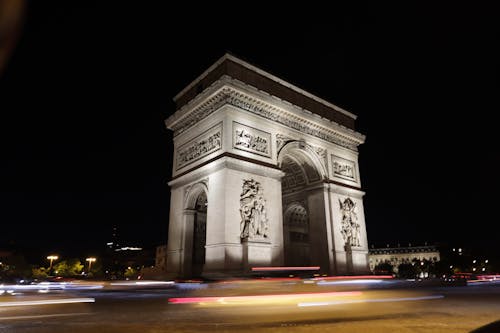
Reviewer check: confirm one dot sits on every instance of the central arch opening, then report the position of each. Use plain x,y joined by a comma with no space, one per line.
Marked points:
304,219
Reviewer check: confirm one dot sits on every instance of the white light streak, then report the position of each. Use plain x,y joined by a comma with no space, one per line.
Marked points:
321,283
45,316
375,300
49,301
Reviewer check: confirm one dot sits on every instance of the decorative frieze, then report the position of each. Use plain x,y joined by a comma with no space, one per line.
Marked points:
231,96
251,139
206,143
343,168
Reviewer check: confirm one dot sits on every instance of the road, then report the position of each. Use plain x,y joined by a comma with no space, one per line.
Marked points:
256,306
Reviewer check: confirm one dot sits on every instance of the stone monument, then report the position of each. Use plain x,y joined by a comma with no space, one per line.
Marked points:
264,174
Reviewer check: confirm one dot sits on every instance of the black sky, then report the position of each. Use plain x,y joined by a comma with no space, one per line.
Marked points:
86,91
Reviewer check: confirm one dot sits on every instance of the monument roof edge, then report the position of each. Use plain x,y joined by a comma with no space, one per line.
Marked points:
228,56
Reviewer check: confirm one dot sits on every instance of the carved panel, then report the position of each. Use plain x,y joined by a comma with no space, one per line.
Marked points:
254,223
251,139
343,168
350,228
238,99
201,146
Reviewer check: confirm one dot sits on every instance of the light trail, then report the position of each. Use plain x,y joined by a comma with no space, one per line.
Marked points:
279,268
354,277
142,283
340,282
45,316
48,301
375,300
250,298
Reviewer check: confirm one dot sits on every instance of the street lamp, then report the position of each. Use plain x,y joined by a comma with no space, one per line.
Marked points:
90,260
52,258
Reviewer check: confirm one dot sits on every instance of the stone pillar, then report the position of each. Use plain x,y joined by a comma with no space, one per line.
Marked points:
348,257
256,253
317,230
351,259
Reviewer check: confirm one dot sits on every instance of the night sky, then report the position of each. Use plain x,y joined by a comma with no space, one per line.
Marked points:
86,91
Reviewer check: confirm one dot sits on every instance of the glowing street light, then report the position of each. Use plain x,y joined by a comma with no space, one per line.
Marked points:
90,260
52,258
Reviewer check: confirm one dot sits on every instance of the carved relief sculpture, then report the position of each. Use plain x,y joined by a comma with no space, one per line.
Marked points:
203,145
251,139
254,223
247,140
343,168
350,226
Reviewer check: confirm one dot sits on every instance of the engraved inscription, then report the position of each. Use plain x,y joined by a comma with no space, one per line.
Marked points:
203,145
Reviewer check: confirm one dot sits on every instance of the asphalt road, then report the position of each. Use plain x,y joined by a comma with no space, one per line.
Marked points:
284,306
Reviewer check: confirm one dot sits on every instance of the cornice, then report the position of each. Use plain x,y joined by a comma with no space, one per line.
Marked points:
274,78
228,91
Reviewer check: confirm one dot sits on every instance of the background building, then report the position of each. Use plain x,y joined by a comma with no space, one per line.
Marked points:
396,256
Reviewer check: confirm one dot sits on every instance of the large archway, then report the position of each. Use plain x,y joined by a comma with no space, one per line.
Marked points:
304,221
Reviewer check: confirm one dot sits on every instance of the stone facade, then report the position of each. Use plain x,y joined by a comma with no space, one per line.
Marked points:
280,182
402,255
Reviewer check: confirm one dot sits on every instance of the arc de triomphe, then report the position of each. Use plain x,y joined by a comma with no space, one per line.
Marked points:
264,174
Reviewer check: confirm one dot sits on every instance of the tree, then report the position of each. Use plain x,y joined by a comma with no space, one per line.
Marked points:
40,273
68,268
96,270
15,267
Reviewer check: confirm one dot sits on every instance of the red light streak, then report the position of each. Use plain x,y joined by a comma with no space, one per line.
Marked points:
277,269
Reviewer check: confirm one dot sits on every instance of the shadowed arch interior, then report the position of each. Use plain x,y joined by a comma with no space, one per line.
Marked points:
304,220
296,235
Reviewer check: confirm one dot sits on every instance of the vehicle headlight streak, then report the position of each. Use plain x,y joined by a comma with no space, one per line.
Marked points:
252,299
374,300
